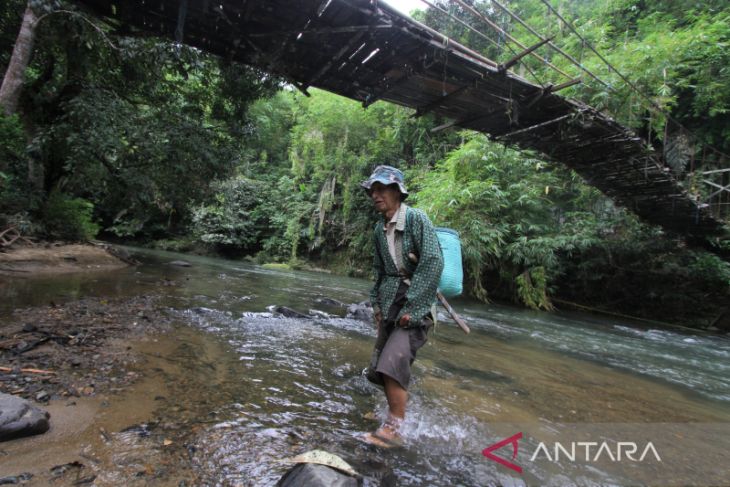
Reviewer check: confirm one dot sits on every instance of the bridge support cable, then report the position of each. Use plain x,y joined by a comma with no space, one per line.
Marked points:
494,26
461,22
479,33
631,85
499,46
550,43
516,59
654,107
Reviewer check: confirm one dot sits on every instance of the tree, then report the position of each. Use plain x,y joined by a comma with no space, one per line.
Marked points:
14,78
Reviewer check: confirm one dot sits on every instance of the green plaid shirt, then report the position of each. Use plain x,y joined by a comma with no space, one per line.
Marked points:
417,236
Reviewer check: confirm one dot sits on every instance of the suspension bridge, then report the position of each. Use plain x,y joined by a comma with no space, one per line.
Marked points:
367,51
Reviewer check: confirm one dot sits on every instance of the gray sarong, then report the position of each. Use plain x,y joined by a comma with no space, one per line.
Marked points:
395,347
398,353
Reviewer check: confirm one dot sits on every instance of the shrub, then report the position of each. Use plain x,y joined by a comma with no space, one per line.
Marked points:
69,218
177,244
231,222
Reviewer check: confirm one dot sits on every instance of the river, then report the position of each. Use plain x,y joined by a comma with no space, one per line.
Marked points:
281,386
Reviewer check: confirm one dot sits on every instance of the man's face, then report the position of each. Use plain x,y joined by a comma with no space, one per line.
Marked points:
385,198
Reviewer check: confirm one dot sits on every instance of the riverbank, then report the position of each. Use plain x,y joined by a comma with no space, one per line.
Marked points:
57,258
88,363
74,349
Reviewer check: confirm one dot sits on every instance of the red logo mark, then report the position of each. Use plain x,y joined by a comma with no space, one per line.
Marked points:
487,452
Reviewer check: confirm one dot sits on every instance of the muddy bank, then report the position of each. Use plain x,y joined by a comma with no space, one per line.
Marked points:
141,434
75,349
111,373
53,258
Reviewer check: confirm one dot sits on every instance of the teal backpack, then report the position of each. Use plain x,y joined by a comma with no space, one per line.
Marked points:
452,276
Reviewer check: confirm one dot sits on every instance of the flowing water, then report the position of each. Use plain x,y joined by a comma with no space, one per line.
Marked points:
276,387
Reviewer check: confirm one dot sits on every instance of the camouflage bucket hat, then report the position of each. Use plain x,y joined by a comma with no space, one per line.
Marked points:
386,175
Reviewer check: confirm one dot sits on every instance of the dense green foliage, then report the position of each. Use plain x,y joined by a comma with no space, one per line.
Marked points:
145,140
69,218
675,53
139,127
231,220
16,197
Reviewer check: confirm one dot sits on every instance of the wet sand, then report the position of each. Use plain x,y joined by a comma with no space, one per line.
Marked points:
137,435
109,366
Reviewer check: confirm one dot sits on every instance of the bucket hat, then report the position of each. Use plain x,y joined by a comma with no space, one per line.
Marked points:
386,175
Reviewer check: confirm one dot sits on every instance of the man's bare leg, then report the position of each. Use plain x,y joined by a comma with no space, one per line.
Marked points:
397,397
388,435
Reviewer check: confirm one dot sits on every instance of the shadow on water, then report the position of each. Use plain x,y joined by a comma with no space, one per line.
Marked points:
285,385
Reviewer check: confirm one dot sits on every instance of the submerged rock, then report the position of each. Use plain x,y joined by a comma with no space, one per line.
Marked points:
360,311
314,475
19,418
287,312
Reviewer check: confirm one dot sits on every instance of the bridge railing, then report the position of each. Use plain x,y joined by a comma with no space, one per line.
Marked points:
702,170
714,189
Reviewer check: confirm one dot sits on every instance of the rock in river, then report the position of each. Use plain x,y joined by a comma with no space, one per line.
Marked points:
313,475
360,311
180,263
19,418
286,312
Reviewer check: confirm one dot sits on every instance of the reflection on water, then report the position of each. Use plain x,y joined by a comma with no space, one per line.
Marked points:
289,385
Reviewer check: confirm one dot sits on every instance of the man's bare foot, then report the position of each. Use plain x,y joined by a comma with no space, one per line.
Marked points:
387,435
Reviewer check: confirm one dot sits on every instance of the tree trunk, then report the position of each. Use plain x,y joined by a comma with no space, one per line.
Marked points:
15,74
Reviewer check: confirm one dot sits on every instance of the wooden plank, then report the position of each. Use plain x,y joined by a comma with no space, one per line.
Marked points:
535,127
344,50
387,85
467,120
424,109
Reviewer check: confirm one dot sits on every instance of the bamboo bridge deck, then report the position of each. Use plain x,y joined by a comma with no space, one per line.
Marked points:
367,51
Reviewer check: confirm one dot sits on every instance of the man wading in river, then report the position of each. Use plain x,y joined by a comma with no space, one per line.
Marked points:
407,265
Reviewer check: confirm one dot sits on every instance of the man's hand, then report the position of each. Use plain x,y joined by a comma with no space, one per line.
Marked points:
405,320
378,317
